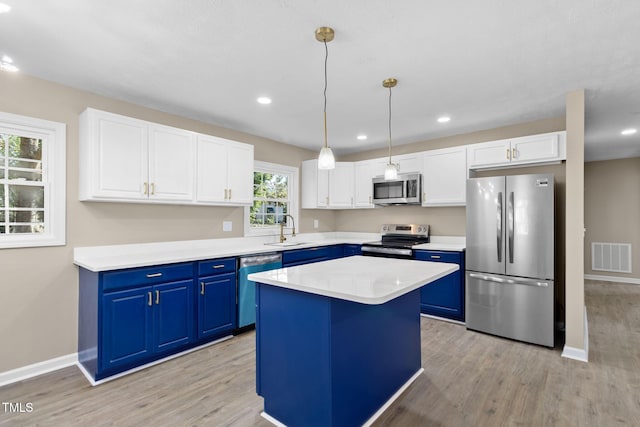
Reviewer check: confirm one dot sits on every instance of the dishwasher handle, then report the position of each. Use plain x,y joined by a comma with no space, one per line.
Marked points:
259,259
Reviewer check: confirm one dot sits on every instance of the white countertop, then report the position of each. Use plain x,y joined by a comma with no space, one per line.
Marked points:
116,257
367,280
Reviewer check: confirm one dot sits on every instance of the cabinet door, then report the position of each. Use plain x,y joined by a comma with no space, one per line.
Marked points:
323,195
445,177
363,175
119,154
127,331
408,163
489,154
211,182
216,305
535,148
240,173
443,297
171,161
341,185
173,314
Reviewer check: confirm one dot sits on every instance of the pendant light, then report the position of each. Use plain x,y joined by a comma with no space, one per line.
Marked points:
391,171
325,159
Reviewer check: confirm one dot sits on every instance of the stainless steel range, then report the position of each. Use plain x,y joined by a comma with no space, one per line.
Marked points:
397,241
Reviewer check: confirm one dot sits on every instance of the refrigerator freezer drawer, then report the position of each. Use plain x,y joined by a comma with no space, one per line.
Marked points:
511,307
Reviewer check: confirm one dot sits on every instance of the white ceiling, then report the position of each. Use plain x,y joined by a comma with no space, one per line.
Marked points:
485,63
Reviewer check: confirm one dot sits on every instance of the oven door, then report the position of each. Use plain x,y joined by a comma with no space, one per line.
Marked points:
386,251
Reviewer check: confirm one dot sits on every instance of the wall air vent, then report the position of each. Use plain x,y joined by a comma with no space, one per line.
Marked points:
614,257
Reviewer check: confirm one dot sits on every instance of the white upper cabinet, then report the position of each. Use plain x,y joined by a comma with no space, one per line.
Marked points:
363,177
444,177
341,185
224,171
407,163
543,148
327,188
171,159
130,160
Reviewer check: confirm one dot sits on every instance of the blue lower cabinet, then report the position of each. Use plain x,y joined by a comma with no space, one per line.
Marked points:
306,256
351,250
140,323
443,297
216,305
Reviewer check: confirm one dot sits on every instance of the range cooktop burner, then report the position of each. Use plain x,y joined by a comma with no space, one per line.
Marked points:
397,240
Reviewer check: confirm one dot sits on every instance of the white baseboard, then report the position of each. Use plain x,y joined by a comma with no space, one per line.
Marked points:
36,369
578,353
613,279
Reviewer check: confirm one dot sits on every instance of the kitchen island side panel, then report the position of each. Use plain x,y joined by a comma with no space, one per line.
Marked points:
375,351
324,361
293,365
88,320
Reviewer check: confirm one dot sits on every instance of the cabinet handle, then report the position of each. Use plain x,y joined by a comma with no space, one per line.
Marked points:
352,201
225,193
424,197
218,266
201,288
146,188
327,200
435,256
508,154
150,276
153,188
514,153
149,301
229,194
157,297
370,201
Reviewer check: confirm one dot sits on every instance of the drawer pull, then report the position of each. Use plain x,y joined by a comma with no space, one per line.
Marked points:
157,297
218,266
149,301
201,288
435,256
151,276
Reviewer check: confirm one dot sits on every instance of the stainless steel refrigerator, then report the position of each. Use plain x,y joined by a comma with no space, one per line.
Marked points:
510,257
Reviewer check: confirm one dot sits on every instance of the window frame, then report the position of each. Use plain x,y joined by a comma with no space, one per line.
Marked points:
54,153
274,168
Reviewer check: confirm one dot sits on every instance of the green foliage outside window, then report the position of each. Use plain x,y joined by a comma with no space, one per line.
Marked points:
21,185
271,199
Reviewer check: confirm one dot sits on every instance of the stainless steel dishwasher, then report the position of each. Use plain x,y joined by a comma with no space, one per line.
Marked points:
246,292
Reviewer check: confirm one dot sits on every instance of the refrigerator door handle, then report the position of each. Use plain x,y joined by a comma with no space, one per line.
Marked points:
499,227
510,226
521,281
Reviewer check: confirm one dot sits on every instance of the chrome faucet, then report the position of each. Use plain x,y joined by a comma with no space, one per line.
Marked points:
283,223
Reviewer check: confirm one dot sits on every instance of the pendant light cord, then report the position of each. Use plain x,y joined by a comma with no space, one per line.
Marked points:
389,124
326,57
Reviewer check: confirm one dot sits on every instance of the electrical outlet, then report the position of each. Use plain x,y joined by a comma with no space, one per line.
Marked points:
316,223
227,226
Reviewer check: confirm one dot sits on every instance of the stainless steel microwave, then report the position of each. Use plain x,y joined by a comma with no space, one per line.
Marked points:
404,190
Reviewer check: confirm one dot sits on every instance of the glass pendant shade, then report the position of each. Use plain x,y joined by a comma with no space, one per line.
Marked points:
391,172
326,159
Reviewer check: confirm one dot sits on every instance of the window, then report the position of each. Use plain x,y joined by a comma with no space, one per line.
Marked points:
275,194
32,182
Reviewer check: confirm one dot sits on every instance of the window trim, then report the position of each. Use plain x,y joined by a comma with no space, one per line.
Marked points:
54,154
259,166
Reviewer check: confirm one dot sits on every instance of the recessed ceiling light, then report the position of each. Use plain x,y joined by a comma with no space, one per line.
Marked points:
5,58
444,119
4,8
362,137
264,100
630,131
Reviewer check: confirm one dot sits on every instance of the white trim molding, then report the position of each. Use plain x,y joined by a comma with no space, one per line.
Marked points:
579,354
36,369
631,280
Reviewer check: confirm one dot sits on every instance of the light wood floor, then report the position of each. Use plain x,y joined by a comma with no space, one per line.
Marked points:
470,379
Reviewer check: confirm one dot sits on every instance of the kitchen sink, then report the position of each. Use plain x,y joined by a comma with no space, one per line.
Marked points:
286,244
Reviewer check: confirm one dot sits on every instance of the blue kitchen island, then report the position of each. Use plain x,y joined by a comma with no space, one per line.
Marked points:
338,341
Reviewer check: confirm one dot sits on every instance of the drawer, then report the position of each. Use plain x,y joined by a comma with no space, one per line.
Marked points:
146,276
216,266
310,255
439,256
